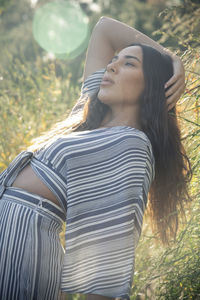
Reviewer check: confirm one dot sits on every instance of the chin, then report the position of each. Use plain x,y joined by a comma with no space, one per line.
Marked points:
104,98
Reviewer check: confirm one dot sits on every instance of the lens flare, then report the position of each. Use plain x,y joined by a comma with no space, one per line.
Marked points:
61,28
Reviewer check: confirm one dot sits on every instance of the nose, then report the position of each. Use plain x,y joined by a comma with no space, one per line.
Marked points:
112,67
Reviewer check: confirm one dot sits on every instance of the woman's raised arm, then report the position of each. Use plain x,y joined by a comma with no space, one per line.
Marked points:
110,35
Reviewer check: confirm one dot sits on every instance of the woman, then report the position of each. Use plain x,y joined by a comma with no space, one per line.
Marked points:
97,177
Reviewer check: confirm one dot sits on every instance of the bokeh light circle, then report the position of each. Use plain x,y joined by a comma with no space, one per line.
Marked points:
61,28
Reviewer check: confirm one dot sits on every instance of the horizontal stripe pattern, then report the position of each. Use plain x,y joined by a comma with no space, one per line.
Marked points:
89,88
107,173
53,180
8,176
92,83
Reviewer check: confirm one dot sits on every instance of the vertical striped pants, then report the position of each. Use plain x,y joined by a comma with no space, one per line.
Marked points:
30,251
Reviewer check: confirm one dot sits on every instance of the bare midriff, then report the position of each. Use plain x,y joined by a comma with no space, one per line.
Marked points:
29,181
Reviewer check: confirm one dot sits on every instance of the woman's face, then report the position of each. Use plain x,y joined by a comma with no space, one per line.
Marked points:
123,81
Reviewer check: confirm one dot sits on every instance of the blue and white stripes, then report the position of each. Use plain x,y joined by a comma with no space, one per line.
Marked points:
8,176
89,88
101,179
107,172
107,183
31,255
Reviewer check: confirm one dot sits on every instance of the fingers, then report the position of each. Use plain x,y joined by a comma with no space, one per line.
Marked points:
171,100
172,80
178,85
170,107
175,91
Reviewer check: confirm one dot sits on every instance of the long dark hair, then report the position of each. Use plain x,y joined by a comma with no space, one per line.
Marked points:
172,168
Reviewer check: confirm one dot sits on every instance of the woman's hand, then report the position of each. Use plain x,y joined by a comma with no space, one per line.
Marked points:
176,83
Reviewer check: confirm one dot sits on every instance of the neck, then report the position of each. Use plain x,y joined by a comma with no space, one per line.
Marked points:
120,116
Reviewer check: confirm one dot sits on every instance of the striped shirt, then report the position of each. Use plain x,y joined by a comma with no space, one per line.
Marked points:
102,178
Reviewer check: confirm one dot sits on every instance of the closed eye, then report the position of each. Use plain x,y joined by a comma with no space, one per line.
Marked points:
129,64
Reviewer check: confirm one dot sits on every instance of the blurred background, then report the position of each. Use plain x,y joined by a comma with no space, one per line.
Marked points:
38,89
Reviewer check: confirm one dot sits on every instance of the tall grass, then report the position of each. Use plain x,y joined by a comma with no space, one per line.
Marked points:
32,98
34,95
173,272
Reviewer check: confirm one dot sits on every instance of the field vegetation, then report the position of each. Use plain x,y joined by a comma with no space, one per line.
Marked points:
37,91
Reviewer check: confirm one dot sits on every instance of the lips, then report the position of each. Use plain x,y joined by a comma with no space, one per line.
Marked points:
107,80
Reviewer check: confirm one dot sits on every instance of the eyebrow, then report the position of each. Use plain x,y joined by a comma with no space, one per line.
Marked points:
128,56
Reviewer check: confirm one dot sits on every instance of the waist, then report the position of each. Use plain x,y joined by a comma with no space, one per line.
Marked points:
34,201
